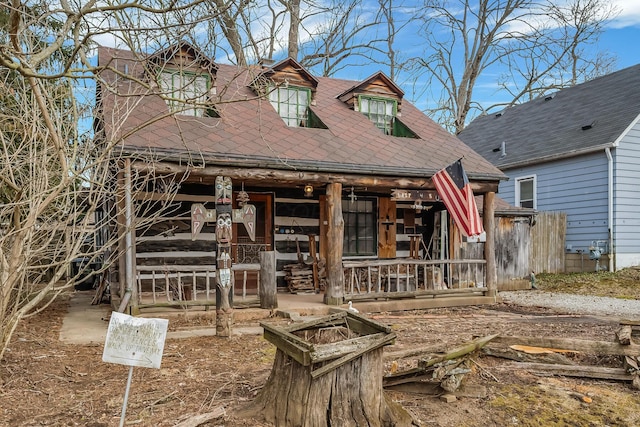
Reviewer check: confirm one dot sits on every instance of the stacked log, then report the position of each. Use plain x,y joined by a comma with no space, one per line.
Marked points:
299,278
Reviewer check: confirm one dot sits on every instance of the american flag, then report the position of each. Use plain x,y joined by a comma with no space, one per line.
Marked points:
454,189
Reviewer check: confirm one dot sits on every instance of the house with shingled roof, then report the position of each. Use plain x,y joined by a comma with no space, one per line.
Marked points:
339,173
575,151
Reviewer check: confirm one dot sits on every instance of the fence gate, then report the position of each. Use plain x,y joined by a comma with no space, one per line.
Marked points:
547,242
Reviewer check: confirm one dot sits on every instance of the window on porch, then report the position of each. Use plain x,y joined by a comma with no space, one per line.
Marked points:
360,227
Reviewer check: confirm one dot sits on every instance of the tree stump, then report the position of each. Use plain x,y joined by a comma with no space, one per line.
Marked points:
329,373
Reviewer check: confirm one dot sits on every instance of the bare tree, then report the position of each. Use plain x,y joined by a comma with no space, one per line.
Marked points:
57,199
559,56
537,39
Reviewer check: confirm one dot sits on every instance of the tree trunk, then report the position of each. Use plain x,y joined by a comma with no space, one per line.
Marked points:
350,395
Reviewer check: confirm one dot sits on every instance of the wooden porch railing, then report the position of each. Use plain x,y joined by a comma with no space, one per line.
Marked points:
402,278
188,285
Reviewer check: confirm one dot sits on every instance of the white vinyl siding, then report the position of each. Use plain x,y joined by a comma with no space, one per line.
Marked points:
576,186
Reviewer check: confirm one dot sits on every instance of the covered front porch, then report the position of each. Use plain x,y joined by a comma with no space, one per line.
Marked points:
162,263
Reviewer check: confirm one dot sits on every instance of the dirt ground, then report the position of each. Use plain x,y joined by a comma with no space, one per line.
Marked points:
46,383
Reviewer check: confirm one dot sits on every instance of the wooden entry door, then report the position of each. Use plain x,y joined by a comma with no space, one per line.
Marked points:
247,251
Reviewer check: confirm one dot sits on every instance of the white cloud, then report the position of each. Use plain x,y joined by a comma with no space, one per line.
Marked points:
629,13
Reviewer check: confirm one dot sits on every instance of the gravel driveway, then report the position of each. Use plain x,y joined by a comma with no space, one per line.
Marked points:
575,304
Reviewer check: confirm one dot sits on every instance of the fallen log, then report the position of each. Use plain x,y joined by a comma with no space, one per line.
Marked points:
586,346
411,352
424,369
519,356
431,388
596,372
474,345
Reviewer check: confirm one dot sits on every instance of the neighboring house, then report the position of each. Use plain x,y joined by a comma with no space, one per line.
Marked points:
303,148
575,151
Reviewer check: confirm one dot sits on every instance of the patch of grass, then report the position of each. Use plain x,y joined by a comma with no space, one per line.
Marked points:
623,284
546,405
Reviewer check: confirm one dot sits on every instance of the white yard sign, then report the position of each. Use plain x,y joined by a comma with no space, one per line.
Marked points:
135,341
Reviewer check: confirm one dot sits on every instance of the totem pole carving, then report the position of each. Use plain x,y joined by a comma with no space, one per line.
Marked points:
224,216
224,274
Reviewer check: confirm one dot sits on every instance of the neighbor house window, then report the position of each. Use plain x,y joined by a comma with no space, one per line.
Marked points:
380,111
186,92
360,227
526,192
292,104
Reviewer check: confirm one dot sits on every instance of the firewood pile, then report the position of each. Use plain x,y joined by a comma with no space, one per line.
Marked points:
300,277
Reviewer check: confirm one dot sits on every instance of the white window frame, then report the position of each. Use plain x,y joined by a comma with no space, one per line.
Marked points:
518,183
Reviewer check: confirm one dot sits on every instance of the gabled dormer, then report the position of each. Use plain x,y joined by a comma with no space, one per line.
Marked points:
186,78
380,99
291,90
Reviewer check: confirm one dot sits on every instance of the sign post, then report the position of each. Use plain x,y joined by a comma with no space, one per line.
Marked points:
134,341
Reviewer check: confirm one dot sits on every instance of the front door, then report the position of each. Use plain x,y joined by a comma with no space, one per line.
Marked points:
245,250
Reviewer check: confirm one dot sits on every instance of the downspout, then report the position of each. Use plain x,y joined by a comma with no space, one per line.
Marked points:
610,207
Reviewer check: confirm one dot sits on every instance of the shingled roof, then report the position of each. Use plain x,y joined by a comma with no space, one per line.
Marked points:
580,119
250,133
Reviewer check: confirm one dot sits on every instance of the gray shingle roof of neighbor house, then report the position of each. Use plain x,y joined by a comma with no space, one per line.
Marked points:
250,133
586,117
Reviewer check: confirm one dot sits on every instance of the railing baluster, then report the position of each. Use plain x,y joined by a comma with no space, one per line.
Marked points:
207,284
153,285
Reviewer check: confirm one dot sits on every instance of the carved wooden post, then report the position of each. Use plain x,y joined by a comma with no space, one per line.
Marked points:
224,274
334,294
489,245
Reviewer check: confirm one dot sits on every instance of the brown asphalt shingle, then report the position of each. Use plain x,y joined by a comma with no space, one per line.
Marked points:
252,129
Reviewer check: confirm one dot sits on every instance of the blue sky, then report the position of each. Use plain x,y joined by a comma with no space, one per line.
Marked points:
623,43
620,39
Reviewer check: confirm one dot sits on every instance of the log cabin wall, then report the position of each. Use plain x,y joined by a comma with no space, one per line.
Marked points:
166,240
297,217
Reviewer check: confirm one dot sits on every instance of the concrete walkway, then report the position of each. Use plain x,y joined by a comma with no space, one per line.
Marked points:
87,324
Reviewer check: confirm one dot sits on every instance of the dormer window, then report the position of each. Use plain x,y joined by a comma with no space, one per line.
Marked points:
380,111
380,100
185,92
292,104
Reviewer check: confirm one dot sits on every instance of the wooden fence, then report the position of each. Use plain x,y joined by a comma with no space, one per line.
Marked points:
547,243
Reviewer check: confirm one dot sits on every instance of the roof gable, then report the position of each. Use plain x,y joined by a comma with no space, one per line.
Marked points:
583,118
288,72
378,84
183,55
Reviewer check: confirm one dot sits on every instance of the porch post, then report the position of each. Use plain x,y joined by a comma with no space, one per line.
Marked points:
489,246
121,230
334,294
